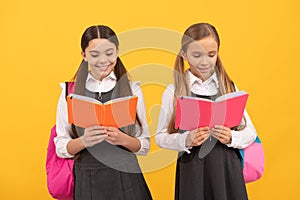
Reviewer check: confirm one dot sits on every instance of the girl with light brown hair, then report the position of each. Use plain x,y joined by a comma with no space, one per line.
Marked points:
218,174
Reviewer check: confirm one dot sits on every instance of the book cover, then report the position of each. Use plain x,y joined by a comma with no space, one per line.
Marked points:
85,111
227,110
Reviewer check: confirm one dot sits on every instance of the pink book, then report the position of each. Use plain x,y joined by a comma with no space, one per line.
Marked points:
227,110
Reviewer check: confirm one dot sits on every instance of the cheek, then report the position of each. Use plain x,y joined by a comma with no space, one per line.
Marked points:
92,61
193,62
113,63
214,60
112,60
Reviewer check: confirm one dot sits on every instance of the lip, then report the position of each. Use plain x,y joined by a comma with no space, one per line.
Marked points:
104,68
204,70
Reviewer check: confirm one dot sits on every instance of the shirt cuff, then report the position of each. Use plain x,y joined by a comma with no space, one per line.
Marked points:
61,148
145,146
182,140
240,142
233,140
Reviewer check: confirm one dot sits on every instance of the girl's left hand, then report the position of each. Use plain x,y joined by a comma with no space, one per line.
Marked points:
115,136
222,133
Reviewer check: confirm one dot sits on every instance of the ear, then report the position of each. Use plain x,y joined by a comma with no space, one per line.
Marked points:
183,54
83,56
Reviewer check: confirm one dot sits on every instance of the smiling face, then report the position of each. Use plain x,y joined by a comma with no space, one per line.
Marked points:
202,57
101,55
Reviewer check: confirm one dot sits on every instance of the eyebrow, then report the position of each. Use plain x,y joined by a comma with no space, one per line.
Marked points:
212,51
95,51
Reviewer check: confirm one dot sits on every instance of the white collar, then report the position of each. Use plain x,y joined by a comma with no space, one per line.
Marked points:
105,85
110,76
194,79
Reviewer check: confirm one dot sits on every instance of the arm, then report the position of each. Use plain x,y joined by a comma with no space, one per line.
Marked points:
140,145
66,147
63,129
174,141
243,138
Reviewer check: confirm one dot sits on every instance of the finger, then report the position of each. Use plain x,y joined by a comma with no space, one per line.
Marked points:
222,138
97,132
109,128
219,126
92,143
201,134
206,128
110,138
200,140
216,134
219,130
222,127
94,128
98,138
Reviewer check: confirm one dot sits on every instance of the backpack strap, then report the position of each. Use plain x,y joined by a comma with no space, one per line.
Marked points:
69,88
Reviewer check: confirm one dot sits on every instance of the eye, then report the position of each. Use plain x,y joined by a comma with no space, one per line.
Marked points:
196,55
94,55
212,54
109,54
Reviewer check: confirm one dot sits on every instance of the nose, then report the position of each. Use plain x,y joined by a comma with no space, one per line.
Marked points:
204,61
102,60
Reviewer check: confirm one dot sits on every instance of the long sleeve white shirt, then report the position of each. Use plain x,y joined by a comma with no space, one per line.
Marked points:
176,141
63,128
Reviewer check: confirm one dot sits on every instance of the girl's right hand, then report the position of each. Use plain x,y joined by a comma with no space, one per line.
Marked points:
196,137
93,135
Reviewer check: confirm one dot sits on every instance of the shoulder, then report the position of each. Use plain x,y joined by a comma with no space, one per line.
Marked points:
136,89
168,94
169,90
135,86
62,85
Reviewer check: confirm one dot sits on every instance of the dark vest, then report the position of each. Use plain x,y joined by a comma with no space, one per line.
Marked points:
104,154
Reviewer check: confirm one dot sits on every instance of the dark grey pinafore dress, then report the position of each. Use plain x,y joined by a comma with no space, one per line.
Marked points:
217,176
108,172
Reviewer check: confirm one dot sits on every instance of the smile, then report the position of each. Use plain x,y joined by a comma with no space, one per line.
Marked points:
104,67
204,70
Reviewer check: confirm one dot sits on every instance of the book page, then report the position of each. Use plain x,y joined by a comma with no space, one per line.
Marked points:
85,98
120,99
230,95
196,98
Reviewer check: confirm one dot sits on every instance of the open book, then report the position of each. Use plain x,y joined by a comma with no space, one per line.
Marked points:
85,111
227,110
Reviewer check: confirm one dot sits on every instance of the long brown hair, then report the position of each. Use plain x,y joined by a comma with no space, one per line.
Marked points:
122,87
181,84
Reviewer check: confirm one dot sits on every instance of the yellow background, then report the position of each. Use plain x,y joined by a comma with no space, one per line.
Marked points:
40,47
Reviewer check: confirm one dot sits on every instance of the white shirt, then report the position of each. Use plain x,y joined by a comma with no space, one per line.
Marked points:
63,128
176,141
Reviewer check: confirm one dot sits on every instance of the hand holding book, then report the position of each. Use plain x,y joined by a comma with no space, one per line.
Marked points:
197,136
222,133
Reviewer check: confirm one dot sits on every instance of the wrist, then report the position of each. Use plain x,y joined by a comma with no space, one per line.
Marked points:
75,145
125,141
188,141
230,140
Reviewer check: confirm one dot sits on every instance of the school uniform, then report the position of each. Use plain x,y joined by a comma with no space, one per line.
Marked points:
106,171
217,176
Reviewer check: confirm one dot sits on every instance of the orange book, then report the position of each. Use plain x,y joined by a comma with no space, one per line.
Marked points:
85,111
